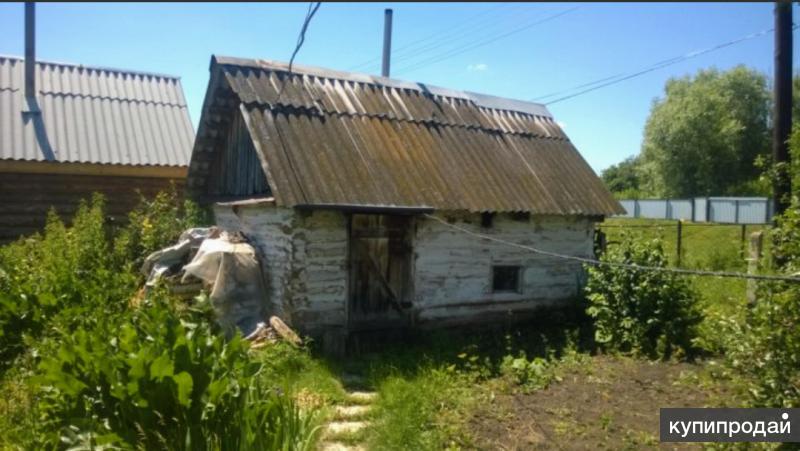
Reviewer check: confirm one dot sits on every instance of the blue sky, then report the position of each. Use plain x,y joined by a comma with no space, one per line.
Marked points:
594,41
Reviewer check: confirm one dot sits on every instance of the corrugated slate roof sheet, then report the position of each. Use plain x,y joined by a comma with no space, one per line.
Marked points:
94,115
336,138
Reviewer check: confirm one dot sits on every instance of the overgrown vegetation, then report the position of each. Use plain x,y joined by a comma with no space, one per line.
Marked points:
87,368
764,346
650,312
83,367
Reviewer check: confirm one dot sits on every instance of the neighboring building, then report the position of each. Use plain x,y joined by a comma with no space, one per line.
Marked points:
334,174
87,130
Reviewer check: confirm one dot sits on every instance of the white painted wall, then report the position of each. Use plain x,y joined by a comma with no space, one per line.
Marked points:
305,260
306,263
273,228
453,270
319,275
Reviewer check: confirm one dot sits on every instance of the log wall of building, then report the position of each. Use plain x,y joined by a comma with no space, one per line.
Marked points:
306,264
453,270
304,259
271,230
25,198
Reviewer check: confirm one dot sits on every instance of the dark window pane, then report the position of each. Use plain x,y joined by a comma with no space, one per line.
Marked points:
505,278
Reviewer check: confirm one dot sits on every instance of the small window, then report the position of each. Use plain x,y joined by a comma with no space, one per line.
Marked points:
505,279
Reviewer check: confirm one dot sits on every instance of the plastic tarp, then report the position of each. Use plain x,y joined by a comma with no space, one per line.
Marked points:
232,270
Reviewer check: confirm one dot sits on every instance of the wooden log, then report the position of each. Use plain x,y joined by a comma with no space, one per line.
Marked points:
285,331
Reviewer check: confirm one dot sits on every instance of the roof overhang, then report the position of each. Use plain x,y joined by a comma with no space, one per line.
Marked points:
95,169
376,209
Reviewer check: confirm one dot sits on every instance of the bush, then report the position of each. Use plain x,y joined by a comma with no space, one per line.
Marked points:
68,274
650,312
100,374
62,269
157,378
765,348
154,224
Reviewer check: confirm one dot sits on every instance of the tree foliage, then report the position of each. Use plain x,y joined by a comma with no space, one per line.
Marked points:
704,136
624,178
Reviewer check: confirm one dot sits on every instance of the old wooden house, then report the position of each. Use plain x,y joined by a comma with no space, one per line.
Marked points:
363,195
69,130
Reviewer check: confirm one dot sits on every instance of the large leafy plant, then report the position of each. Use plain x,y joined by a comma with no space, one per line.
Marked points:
650,312
163,377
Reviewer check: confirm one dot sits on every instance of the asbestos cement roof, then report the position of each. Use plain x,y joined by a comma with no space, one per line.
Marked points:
329,137
93,115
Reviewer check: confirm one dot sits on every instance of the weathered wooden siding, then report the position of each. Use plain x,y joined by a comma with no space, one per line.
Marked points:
25,198
453,271
237,170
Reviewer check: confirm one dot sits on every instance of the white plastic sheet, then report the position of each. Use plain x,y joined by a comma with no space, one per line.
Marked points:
233,271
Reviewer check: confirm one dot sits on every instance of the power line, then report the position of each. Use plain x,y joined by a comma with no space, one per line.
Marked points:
629,266
457,51
608,81
301,38
312,9
449,40
412,46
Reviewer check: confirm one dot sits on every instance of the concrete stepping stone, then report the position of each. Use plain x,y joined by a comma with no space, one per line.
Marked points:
337,446
351,411
344,427
362,396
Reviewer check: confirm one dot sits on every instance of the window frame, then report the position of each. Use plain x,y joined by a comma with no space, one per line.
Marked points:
518,285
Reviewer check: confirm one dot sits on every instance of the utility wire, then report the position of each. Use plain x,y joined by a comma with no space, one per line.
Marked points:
412,46
629,266
457,51
453,40
608,81
301,38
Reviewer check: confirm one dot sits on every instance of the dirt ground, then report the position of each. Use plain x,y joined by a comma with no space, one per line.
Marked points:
611,403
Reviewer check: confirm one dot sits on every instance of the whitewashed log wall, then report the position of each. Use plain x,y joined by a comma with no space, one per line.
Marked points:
306,264
453,270
304,260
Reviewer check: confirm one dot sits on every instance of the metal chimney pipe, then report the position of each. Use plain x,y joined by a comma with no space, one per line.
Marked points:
387,41
30,50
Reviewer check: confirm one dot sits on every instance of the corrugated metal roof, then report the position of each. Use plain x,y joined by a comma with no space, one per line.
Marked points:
94,115
338,138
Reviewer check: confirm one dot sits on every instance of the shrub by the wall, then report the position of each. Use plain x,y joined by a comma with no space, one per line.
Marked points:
650,312
765,348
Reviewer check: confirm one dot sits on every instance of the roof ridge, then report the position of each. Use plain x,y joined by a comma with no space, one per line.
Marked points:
480,100
95,68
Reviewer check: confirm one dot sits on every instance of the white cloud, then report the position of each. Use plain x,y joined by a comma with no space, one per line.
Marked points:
479,67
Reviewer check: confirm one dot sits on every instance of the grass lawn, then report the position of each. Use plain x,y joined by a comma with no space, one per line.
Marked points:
716,247
451,390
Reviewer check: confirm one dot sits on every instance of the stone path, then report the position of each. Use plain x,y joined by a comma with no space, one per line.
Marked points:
343,431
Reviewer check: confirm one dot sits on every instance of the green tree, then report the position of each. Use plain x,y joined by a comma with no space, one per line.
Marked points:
704,136
623,178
